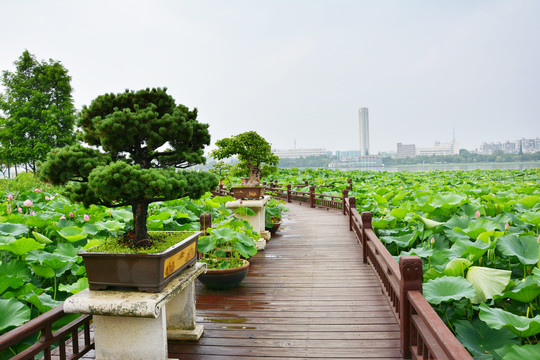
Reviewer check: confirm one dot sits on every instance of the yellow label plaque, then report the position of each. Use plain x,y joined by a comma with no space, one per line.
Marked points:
175,261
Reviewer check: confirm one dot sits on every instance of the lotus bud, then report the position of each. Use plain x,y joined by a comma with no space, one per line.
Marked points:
47,198
507,226
477,214
37,191
19,209
71,214
8,210
32,212
432,241
63,217
10,197
28,203
86,217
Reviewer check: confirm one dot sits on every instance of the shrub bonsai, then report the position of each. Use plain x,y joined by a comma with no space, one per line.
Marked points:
138,141
254,152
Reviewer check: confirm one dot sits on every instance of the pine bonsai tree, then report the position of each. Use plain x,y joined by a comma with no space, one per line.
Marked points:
254,152
138,142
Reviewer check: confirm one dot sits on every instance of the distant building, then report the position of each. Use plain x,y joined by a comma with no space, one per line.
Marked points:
364,131
299,153
406,150
511,147
439,149
367,161
347,154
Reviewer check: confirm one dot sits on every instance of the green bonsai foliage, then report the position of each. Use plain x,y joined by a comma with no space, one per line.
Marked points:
254,152
140,140
222,170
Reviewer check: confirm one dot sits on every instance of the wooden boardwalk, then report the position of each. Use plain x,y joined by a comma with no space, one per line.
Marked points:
308,295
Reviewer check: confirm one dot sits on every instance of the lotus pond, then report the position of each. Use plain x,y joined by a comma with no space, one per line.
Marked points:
477,233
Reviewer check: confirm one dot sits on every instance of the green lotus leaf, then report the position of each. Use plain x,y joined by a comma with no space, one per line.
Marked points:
41,238
122,214
525,248
39,221
460,222
160,216
423,251
7,281
68,250
111,225
520,325
245,245
524,352
380,199
90,228
155,224
448,200
43,271
487,282
531,217
43,302
430,224
206,244
479,226
73,233
447,288
244,211
455,236
76,287
384,223
480,339
399,213
12,313
403,241
17,268
13,229
22,246
525,291
223,234
456,267
530,201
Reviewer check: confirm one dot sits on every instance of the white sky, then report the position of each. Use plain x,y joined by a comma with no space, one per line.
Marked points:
301,69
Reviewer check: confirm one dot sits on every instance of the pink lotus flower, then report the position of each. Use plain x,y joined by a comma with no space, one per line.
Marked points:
432,241
63,217
28,203
32,212
86,217
8,210
71,214
477,214
10,197
47,198
37,190
19,209
507,226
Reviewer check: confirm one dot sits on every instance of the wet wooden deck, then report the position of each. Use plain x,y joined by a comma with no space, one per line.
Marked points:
308,295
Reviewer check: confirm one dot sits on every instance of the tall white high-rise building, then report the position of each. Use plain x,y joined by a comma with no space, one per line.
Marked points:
364,131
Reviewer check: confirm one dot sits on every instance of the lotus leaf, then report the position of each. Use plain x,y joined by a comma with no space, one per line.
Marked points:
524,352
403,241
487,282
12,313
456,267
447,288
525,248
41,238
13,229
76,287
44,302
7,281
520,325
73,233
430,224
525,291
22,246
480,339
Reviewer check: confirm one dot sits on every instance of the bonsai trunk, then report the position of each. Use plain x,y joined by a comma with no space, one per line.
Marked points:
254,176
140,215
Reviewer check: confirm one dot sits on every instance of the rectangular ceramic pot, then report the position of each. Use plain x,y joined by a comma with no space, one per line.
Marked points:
248,192
146,272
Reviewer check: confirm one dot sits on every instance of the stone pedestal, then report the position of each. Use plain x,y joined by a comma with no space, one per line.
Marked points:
135,325
257,220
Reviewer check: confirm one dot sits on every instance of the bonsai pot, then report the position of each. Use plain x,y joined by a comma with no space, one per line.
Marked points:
274,228
144,271
248,192
219,279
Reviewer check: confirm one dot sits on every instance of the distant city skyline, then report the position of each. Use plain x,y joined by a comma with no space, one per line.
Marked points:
363,120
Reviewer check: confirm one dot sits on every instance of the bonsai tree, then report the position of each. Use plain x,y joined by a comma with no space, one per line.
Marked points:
222,171
138,142
254,152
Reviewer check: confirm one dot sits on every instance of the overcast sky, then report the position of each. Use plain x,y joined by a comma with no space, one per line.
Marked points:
299,70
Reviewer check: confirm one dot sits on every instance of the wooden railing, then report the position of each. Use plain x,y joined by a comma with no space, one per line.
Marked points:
43,326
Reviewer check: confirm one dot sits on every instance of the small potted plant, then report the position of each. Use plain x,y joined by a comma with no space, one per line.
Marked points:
255,159
272,216
137,144
225,251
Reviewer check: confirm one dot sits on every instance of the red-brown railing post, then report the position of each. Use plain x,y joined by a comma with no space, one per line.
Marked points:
306,183
311,196
344,206
350,184
206,222
366,224
289,199
410,268
352,205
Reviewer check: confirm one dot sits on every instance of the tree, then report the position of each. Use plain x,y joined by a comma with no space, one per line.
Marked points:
143,139
38,108
254,152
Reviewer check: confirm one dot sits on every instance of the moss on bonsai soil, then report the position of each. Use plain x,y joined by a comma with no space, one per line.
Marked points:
161,241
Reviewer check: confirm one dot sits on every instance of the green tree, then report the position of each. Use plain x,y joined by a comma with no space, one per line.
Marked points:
38,108
144,138
254,152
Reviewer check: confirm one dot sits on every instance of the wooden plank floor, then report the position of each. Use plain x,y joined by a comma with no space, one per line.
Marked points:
308,295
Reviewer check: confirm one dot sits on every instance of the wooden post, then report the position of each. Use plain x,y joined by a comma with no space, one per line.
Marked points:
206,222
352,205
306,183
366,224
311,196
289,198
344,203
410,268
350,184
220,189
